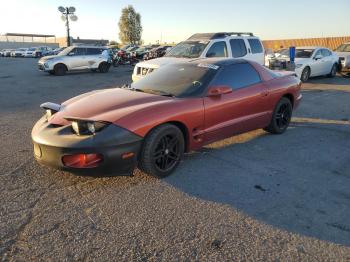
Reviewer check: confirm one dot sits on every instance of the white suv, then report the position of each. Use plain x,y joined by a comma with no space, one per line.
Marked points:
76,58
236,45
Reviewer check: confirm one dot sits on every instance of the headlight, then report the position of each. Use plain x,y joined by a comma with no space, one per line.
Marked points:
298,65
83,127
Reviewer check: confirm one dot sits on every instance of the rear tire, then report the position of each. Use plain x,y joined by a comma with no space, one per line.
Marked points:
162,151
305,75
333,72
60,70
281,117
103,67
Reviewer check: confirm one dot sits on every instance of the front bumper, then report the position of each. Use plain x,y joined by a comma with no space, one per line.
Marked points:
44,66
52,143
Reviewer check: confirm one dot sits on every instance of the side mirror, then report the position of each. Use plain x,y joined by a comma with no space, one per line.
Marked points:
71,54
318,57
219,90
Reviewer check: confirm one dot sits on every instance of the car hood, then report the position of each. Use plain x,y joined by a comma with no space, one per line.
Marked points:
342,54
45,58
158,62
106,105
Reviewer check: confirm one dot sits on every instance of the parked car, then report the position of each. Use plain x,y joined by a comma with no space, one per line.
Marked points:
236,45
7,52
151,123
75,58
57,50
343,51
42,51
2,52
142,51
30,52
157,52
311,61
19,52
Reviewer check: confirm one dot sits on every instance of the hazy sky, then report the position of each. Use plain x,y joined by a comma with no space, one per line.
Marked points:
179,19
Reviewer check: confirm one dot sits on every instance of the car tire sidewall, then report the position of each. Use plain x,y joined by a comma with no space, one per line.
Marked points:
305,75
60,70
146,163
103,67
273,127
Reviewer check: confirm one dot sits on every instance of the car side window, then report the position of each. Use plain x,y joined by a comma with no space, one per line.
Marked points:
80,51
326,52
93,51
319,53
218,49
255,46
237,76
238,47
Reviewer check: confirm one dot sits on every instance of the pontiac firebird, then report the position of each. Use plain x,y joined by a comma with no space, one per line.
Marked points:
151,123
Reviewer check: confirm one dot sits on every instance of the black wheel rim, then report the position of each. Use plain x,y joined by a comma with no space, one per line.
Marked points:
167,153
283,116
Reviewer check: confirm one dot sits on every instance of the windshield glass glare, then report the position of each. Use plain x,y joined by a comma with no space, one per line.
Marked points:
343,48
188,49
304,53
66,51
180,80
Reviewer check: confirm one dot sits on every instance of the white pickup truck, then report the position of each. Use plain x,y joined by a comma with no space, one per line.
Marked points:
231,45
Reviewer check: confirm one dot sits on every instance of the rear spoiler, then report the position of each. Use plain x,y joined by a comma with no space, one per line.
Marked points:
285,73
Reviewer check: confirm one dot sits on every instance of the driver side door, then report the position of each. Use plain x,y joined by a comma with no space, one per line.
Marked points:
77,59
245,109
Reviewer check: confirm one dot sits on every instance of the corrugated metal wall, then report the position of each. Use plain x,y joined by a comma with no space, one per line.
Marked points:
330,42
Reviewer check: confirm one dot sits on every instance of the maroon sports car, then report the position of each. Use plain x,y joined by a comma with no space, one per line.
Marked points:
151,123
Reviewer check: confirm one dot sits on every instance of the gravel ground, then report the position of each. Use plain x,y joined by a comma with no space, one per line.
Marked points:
251,197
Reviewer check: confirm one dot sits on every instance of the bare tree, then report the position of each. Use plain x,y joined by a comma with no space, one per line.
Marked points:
130,29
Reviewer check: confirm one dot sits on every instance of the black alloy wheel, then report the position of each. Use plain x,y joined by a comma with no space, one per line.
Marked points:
162,151
281,117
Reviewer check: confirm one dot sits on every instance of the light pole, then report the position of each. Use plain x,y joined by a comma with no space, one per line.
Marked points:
68,14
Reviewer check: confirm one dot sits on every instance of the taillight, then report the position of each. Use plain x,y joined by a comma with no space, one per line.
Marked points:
82,160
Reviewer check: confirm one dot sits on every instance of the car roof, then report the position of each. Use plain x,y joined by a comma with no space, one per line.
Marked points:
212,36
218,61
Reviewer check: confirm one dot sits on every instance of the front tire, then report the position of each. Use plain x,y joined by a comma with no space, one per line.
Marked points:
281,117
60,70
333,72
305,75
162,151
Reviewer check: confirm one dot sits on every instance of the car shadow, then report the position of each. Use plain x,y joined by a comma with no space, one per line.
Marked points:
298,181
341,79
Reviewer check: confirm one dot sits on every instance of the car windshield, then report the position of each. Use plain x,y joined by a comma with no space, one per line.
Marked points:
66,51
176,80
189,49
304,53
343,48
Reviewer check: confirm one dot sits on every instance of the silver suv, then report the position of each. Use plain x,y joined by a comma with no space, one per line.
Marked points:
76,58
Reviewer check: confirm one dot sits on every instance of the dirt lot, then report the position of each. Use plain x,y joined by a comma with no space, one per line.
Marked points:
251,197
